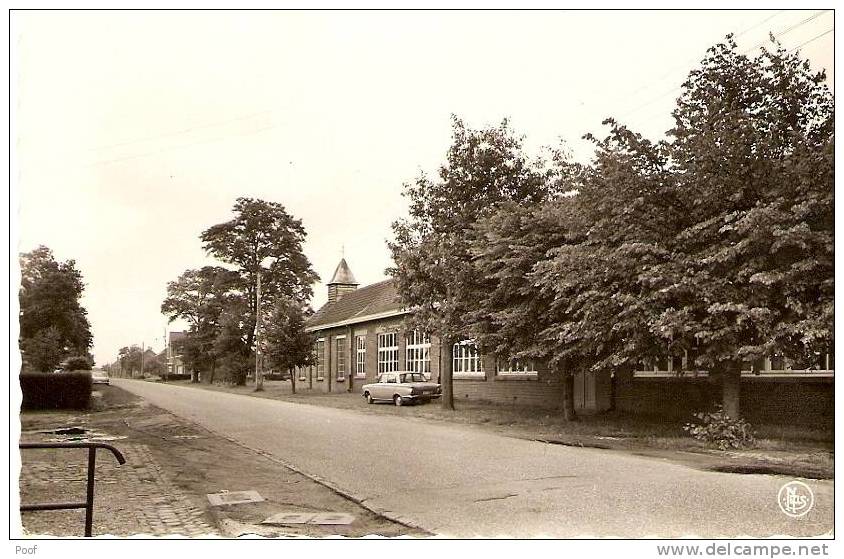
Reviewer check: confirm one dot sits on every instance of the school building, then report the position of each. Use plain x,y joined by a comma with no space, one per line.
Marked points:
360,333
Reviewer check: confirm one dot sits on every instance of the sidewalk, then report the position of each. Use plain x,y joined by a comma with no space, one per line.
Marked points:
171,465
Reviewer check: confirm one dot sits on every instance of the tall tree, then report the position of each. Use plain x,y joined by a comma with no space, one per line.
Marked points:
198,297
261,230
288,344
753,149
717,243
430,250
53,323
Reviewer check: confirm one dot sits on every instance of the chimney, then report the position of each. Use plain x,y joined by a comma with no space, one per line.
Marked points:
342,282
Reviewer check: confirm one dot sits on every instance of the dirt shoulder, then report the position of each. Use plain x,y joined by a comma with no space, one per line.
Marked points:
782,450
172,464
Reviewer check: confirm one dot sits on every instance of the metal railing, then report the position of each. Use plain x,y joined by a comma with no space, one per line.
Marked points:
88,505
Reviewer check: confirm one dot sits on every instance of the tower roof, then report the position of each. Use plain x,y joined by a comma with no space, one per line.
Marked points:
343,274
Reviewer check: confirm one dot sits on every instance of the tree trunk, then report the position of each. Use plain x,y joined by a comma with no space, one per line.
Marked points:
446,370
213,370
566,373
292,381
731,384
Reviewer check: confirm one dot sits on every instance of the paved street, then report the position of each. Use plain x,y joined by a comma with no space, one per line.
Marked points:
458,481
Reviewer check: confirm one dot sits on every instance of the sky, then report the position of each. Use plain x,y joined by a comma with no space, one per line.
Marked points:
135,131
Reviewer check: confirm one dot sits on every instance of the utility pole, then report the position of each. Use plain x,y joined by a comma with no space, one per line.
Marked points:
259,378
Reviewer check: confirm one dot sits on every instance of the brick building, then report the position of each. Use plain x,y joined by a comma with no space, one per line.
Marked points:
361,333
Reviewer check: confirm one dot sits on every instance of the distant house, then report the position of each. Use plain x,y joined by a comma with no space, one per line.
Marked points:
175,345
361,333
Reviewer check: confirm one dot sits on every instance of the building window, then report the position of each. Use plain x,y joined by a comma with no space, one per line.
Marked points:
302,374
779,364
320,359
341,358
515,367
388,352
675,365
467,361
360,357
418,353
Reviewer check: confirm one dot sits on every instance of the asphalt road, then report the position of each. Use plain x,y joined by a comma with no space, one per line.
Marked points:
460,481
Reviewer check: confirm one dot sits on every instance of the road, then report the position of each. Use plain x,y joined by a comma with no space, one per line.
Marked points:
463,482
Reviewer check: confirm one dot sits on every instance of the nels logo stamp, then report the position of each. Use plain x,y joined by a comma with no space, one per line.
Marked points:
795,499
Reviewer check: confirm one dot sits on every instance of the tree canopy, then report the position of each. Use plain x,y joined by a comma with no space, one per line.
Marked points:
716,244
288,345
433,272
219,303
53,323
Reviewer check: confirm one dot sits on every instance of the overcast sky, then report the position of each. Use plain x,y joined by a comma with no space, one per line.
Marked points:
135,131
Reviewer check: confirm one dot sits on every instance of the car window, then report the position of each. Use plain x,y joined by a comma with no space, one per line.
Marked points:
391,378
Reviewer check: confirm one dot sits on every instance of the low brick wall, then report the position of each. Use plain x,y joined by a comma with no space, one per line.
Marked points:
545,393
772,401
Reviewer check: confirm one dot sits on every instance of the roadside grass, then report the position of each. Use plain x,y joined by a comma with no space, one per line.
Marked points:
790,450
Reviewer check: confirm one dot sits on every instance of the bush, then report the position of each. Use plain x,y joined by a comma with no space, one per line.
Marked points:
56,390
77,363
719,429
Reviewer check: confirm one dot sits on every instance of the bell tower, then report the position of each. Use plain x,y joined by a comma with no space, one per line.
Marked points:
342,282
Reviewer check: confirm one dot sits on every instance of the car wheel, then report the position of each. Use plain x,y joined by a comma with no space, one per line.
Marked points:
369,399
397,400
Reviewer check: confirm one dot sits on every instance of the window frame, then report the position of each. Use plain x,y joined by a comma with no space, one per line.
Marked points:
388,355
467,362
340,358
360,356
320,364
515,368
418,352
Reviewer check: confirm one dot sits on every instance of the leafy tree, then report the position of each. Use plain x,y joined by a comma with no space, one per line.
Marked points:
753,150
130,358
53,324
261,230
511,314
231,347
198,297
288,345
77,363
430,250
44,350
155,364
717,243
593,267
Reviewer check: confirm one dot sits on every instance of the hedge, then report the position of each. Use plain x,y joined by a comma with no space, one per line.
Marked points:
176,376
71,389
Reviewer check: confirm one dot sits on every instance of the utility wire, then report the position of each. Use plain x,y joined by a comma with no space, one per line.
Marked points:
693,59
684,64
776,36
178,132
827,32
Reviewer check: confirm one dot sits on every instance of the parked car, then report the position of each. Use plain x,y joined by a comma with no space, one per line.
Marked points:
98,376
401,388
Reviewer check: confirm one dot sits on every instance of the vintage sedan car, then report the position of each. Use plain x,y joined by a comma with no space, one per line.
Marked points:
401,388
98,376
